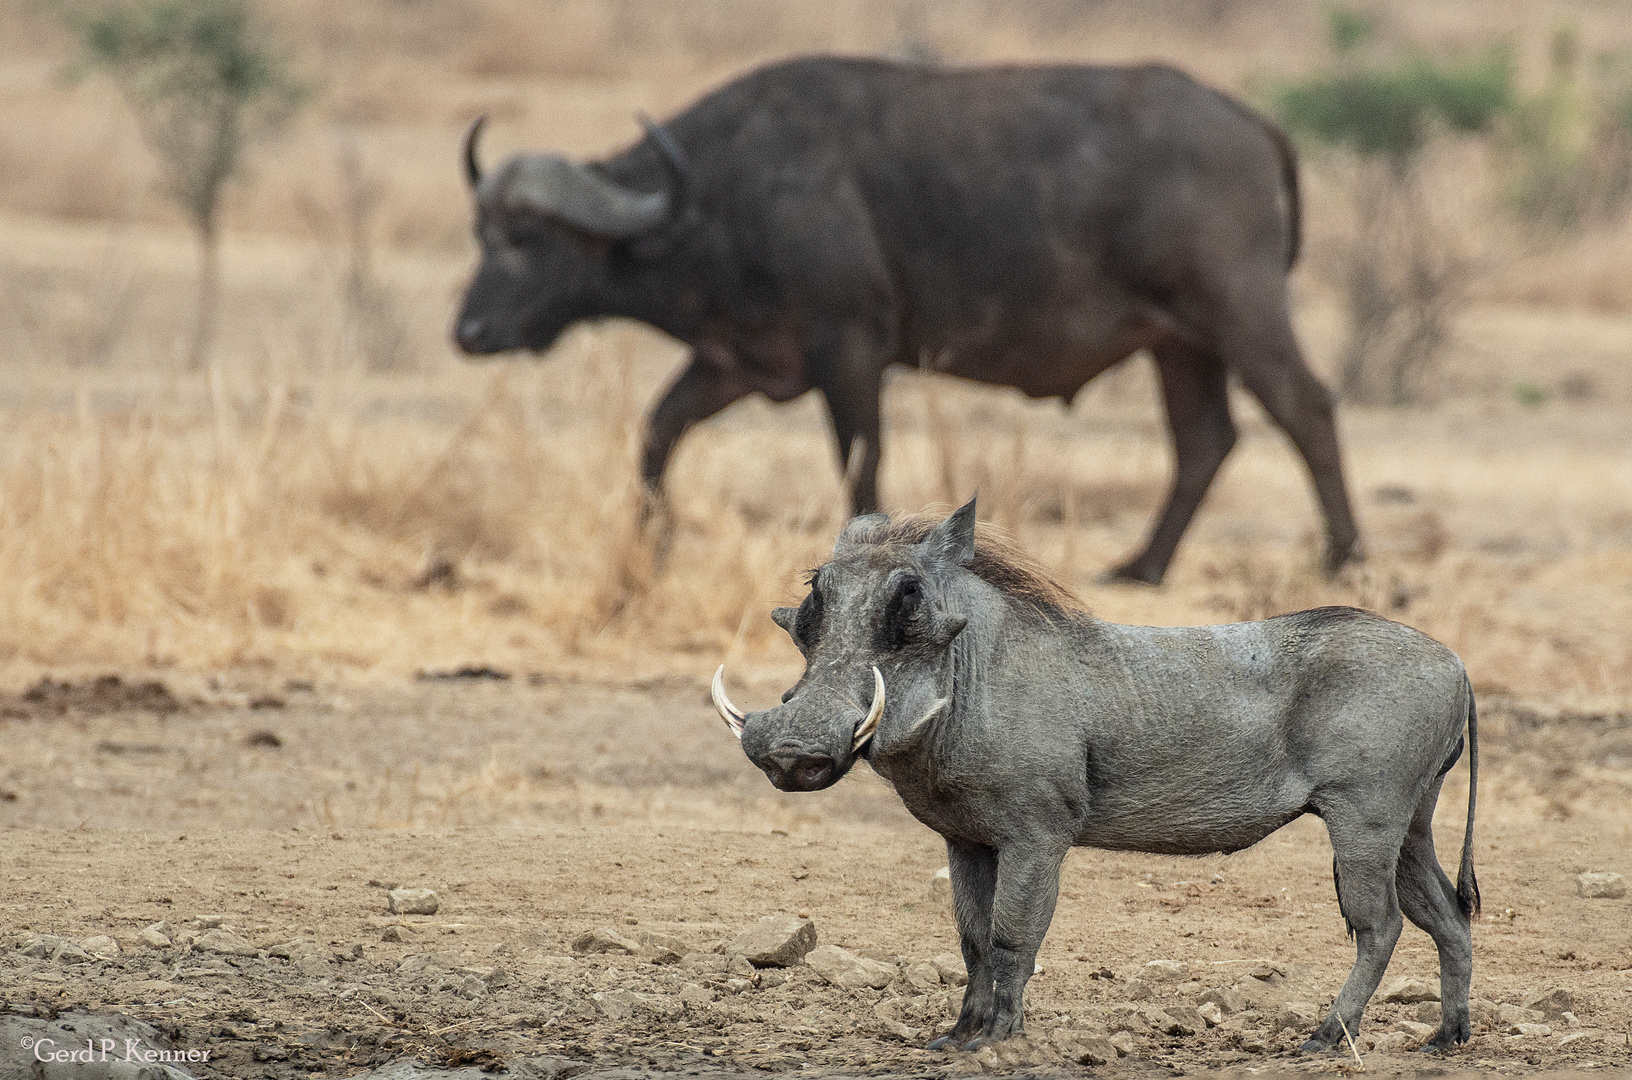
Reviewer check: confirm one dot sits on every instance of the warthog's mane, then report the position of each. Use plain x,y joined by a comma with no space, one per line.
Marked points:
998,561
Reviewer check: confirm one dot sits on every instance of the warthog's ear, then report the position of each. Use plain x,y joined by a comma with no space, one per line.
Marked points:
954,538
784,616
861,530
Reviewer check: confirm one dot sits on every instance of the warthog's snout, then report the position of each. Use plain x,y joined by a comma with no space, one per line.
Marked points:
792,769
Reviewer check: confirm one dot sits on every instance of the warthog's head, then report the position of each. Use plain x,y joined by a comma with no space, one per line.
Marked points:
547,227
876,632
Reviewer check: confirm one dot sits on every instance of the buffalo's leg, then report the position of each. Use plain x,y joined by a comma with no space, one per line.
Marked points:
699,392
1028,884
1365,853
1195,388
1428,899
974,882
1263,348
847,364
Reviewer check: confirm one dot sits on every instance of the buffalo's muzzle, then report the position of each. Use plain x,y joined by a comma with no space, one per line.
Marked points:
793,770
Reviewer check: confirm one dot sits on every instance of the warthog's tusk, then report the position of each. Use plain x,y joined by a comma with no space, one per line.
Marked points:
732,715
865,730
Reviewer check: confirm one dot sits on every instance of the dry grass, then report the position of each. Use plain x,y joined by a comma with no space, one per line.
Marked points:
308,506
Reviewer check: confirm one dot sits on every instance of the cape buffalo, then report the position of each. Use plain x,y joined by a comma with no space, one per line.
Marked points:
819,219
1017,726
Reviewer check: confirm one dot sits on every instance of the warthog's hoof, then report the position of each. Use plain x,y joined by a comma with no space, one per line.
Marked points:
1314,1046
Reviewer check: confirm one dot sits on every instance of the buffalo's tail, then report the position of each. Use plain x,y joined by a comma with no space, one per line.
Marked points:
1467,886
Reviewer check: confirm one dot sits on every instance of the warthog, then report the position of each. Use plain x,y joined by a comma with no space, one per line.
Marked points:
1018,726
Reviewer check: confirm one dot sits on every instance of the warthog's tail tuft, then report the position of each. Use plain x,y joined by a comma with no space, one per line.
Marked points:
1467,886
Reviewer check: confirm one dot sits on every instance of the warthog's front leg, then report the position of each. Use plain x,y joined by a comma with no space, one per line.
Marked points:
974,882
1028,884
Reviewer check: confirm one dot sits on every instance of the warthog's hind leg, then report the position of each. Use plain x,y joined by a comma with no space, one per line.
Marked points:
974,883
1428,899
1365,857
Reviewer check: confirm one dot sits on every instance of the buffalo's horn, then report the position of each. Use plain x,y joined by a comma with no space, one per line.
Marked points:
865,730
583,198
473,171
732,715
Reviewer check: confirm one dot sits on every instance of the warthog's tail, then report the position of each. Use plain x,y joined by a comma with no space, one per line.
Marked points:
1467,886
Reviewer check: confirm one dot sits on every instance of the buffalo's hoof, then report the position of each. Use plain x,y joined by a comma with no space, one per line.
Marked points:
1128,575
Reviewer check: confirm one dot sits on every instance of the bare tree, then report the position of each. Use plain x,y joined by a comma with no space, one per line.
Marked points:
202,84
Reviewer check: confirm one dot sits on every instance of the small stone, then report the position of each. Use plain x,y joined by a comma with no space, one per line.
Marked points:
1124,1043
1427,1012
40,946
1508,1015
1210,1012
923,976
412,902
702,961
1227,1000
604,939
1091,1050
741,968
1254,1043
1137,990
1394,1040
1297,1015
1601,886
616,1004
1183,1020
1124,1018
694,996
1576,1038
1164,971
208,922
101,946
224,942
771,978
471,987
1409,991
156,936
1414,1029
396,932
1552,1002
940,886
845,969
950,967
1529,1029
774,941
69,953
662,948
737,986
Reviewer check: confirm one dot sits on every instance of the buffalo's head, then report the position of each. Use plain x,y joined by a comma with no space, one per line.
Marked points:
546,226
876,632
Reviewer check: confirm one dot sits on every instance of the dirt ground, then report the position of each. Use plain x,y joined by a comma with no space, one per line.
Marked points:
542,808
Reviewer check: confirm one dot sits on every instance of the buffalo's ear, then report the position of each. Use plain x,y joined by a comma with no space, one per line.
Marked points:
954,538
861,530
784,617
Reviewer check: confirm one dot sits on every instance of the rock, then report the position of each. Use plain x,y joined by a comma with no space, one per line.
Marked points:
604,939
1529,1029
695,997
100,946
950,967
1137,990
923,976
1124,1043
845,969
742,969
396,933
661,955
69,953
703,961
412,902
1179,1020
40,946
1124,1018
940,886
737,986
1089,1049
1409,991
156,936
1427,1012
662,948
1394,1040
1508,1015
1210,1012
470,987
771,978
1227,1000
1254,1043
224,942
1577,1038
616,1004
1552,1003
1164,971
1570,1019
1601,886
1299,1016
208,922
1481,1011
774,941
1417,1031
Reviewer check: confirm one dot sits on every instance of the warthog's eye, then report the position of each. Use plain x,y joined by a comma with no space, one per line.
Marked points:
899,614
